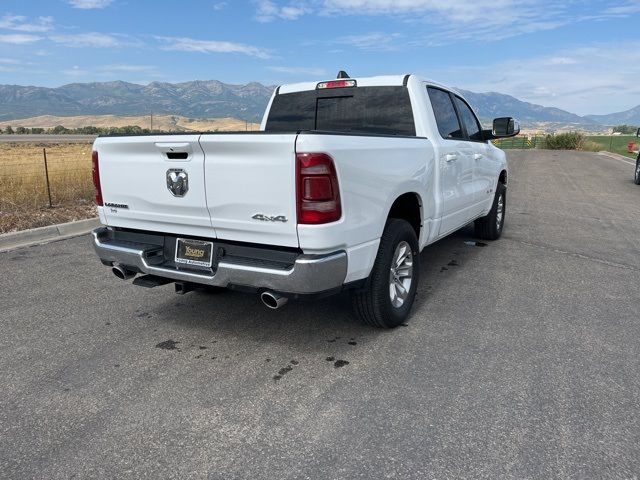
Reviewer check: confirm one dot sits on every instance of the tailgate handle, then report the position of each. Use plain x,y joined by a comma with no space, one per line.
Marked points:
177,155
175,150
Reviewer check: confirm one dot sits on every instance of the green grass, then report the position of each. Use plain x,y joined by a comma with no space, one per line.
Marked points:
615,143
609,143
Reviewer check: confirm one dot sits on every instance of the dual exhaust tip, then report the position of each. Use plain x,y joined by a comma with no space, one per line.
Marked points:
271,299
123,273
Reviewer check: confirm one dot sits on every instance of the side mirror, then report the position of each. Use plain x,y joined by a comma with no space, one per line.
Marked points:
505,127
638,133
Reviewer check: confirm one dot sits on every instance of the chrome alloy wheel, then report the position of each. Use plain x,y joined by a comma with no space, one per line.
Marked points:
637,170
500,212
401,274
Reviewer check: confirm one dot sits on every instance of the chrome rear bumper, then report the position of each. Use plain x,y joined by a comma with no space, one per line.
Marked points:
309,273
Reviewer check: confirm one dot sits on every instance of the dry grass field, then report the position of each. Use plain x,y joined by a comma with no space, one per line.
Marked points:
166,123
24,202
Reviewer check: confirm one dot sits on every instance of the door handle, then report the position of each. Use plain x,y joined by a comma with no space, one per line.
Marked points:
477,156
450,157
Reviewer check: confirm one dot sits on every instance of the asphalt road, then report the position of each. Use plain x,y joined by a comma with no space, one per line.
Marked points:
521,360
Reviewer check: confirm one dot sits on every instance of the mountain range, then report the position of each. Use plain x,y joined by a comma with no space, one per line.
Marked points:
628,117
197,99
214,99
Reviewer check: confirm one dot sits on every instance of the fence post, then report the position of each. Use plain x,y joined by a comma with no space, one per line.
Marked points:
610,142
46,174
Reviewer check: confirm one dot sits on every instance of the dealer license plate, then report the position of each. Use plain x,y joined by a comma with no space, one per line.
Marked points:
194,252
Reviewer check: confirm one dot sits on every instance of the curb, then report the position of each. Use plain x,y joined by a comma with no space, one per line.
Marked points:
617,156
34,236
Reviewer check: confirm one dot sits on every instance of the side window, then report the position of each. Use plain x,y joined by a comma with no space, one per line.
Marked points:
469,120
446,118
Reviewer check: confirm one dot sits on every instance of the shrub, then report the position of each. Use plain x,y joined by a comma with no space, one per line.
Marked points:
625,129
591,146
564,141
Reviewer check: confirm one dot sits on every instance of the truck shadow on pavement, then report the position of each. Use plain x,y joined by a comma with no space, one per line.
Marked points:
229,313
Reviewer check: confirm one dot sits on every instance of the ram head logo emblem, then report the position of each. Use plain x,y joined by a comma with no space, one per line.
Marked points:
177,182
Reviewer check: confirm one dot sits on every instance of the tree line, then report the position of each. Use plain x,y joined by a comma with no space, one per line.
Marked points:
625,129
89,130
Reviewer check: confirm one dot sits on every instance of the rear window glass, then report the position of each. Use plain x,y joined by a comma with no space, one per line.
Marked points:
376,110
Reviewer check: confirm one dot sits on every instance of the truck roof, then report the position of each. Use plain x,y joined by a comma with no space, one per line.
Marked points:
378,81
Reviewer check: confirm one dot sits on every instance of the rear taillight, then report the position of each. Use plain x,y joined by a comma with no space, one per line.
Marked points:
318,193
95,172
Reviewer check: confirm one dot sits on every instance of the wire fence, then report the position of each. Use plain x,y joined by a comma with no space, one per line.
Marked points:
626,145
522,142
36,176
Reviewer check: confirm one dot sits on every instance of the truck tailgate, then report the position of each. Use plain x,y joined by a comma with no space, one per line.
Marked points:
251,187
133,176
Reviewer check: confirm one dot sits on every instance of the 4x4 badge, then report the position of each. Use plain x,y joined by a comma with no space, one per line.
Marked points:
268,218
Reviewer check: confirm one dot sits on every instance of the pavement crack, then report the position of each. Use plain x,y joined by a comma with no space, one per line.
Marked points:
581,256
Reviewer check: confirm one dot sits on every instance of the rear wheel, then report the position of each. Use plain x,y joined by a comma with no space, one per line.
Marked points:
637,177
490,226
387,298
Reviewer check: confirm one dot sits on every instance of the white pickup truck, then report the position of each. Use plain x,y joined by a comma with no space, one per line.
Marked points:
347,181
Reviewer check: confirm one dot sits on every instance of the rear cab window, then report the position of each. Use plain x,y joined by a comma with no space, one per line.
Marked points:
365,110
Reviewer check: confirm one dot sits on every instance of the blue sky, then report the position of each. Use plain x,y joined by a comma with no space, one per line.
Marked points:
578,55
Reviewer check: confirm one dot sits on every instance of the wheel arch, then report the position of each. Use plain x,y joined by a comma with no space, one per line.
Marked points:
503,177
408,207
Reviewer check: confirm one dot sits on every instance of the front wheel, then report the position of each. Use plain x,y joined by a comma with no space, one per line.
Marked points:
387,298
637,177
490,226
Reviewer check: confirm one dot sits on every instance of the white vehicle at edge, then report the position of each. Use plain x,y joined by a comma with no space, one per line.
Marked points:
347,181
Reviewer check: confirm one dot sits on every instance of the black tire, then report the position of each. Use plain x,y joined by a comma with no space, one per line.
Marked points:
488,227
373,303
636,178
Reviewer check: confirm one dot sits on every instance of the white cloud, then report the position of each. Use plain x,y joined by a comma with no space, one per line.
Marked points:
627,8
220,5
562,61
269,11
9,65
318,72
19,38
109,72
599,78
373,41
90,4
76,71
185,44
385,7
20,23
455,21
129,68
90,39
